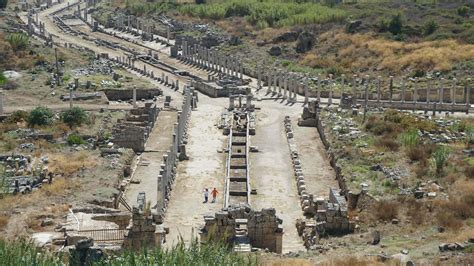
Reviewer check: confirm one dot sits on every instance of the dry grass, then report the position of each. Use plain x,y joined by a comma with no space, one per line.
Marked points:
386,210
272,261
387,143
4,221
364,51
68,164
352,261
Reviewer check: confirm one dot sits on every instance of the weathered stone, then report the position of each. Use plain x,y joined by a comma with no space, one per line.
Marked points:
275,51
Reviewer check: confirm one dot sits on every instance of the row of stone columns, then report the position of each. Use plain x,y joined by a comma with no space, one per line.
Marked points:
145,28
283,84
211,59
130,63
177,151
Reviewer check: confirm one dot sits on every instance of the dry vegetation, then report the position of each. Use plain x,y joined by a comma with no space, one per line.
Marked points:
361,52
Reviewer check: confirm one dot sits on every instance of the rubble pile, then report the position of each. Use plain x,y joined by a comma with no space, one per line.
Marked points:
24,174
98,66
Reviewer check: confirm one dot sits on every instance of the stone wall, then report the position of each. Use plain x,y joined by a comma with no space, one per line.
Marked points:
264,228
211,89
133,131
125,95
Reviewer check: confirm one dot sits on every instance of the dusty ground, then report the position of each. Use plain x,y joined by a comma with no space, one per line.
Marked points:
205,169
149,163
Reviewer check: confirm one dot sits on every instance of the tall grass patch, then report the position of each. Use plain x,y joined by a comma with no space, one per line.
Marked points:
266,13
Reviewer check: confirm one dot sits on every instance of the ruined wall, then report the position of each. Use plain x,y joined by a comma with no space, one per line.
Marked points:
133,131
213,90
125,95
264,228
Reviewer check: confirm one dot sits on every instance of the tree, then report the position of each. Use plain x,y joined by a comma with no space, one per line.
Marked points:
463,11
3,3
430,27
74,117
395,25
40,116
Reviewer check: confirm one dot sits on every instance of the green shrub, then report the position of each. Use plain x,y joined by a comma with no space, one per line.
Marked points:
271,13
18,41
395,25
410,138
73,139
3,3
22,252
40,116
3,79
463,11
74,117
430,27
440,157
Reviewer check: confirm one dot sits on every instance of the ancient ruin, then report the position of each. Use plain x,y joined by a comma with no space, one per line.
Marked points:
302,129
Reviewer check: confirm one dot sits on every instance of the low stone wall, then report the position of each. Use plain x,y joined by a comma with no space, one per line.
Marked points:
215,91
125,95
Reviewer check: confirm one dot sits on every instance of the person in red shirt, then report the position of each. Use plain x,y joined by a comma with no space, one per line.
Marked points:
214,193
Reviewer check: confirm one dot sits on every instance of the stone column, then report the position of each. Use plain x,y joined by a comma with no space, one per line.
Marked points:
70,98
275,81
330,89
134,97
259,78
269,89
319,89
306,91
468,94
354,89
379,84
415,90
390,89
366,98
428,89
296,89
231,102
453,92
285,86
403,90
441,90
162,77
241,70
1,102
177,85
290,88
343,77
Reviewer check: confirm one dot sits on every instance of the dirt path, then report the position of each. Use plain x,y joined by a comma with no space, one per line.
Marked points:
205,168
147,168
272,174
318,173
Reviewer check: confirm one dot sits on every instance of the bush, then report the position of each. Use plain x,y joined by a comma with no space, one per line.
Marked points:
17,116
3,79
388,143
440,157
430,27
18,41
3,3
410,138
469,171
378,126
74,117
395,25
75,140
386,210
40,116
463,11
